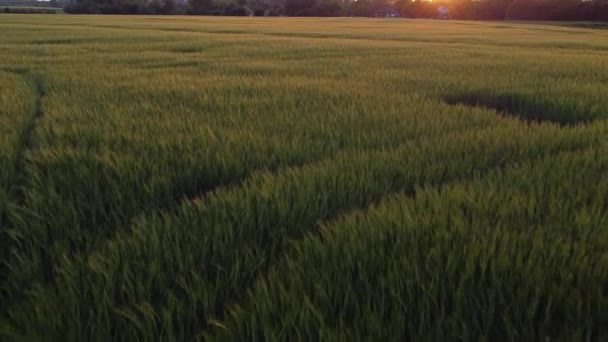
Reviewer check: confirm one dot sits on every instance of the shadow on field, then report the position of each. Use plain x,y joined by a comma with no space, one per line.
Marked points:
531,109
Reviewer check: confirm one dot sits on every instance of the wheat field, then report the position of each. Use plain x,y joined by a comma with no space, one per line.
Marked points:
233,179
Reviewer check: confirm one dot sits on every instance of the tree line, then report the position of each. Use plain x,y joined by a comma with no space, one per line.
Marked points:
588,10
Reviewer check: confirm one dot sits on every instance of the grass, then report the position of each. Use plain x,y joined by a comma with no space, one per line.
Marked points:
196,178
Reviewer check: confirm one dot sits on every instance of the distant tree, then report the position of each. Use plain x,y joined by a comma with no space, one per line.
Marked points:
583,10
478,9
423,9
545,10
154,7
361,8
169,7
299,7
201,6
84,7
329,8
259,7
562,9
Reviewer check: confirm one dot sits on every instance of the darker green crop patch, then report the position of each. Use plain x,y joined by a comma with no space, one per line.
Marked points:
60,41
589,25
189,49
532,109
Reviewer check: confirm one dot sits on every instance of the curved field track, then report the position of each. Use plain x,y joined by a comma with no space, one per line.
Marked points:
197,178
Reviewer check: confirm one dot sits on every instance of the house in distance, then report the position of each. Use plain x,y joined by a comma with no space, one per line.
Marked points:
385,12
444,12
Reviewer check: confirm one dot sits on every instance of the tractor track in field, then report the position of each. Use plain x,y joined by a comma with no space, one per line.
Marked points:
125,230
219,312
503,111
240,300
526,110
190,197
16,190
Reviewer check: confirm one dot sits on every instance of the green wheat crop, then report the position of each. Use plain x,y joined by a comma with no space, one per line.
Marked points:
197,178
